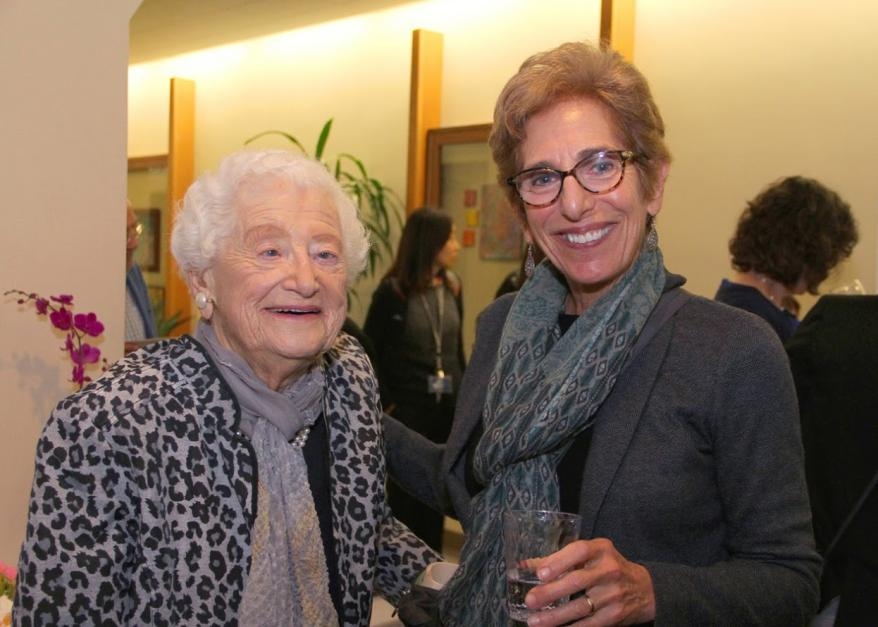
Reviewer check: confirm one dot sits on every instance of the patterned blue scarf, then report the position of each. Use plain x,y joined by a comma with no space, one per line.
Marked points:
541,394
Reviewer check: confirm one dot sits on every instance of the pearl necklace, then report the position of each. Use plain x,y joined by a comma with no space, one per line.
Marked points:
767,292
301,437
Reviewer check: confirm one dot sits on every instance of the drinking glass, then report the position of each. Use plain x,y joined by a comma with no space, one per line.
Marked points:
529,534
854,288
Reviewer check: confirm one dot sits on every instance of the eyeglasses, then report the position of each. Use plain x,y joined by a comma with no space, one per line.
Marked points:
598,173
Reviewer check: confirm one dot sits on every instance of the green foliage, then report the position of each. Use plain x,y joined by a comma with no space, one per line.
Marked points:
165,325
380,208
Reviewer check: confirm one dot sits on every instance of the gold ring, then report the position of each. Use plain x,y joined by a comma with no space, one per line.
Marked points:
588,600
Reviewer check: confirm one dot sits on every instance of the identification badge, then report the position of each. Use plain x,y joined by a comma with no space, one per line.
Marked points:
439,384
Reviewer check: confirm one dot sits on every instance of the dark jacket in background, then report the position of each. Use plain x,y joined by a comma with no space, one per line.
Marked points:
385,327
750,299
136,287
834,359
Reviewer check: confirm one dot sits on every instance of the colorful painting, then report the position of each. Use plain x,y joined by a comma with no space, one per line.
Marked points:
469,238
500,229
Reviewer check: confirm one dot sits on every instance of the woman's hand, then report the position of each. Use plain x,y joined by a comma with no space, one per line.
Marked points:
605,588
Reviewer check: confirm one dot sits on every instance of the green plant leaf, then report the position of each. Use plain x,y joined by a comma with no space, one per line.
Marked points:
166,325
289,137
356,162
321,141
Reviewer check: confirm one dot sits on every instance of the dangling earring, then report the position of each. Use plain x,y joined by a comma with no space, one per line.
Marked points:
529,261
201,300
652,235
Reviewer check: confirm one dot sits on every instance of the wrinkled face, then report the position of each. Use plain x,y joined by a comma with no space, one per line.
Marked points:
448,254
277,287
591,238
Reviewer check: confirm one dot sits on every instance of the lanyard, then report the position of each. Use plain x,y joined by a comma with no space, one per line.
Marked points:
434,328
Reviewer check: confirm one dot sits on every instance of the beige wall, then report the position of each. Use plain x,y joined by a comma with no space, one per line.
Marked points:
751,92
62,171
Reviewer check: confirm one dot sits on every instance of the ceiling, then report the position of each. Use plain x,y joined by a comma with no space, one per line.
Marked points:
162,28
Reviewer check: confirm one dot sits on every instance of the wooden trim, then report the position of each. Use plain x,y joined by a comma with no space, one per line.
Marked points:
150,162
617,26
181,167
436,139
606,35
424,109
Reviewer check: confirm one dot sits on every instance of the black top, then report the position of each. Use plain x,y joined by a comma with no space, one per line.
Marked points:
834,360
402,366
750,299
571,468
316,452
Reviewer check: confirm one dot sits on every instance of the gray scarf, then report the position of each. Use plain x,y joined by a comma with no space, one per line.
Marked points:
541,394
288,584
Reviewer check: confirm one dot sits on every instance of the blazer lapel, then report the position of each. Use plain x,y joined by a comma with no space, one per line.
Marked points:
618,419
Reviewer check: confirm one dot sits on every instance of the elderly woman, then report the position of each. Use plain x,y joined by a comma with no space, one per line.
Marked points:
667,421
237,476
787,240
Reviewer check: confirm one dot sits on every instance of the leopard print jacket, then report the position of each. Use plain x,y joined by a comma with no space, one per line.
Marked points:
144,497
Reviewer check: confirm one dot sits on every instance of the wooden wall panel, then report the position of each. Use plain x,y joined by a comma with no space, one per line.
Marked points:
181,166
424,110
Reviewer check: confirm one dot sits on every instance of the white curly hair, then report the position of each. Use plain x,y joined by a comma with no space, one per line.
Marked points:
208,214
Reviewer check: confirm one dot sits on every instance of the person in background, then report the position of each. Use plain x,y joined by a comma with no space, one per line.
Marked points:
414,322
834,358
666,420
791,304
233,477
787,240
139,321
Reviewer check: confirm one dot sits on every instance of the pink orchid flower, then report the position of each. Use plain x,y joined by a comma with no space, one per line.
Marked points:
77,327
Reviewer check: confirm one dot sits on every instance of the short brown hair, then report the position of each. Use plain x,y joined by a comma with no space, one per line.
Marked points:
796,228
580,70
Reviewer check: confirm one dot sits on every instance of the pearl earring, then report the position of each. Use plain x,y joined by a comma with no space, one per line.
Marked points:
201,300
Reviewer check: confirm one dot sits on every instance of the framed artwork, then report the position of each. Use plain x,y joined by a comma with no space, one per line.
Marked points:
148,253
148,193
474,139
501,236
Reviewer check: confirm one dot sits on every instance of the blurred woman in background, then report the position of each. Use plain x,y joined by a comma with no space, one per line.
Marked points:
414,323
787,240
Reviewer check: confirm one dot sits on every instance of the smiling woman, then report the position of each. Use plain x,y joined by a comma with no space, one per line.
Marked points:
602,370
263,423
276,295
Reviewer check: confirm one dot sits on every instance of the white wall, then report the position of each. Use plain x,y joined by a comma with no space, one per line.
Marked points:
62,171
753,91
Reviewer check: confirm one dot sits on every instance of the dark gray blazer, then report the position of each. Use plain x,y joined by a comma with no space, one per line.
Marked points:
695,468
